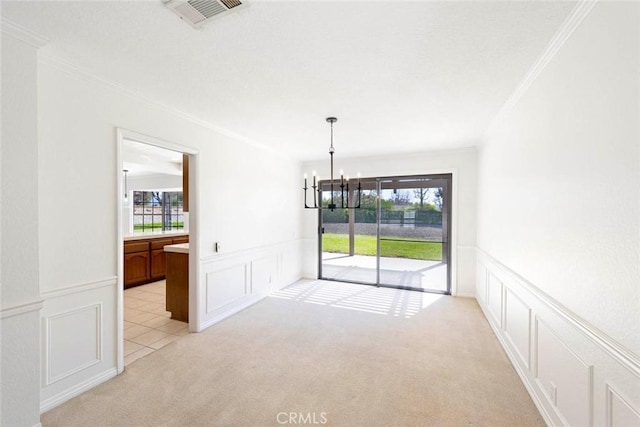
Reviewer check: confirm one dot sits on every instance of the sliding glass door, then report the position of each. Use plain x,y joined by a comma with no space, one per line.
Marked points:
398,238
349,238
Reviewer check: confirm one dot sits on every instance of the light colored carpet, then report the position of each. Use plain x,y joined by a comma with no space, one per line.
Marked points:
350,355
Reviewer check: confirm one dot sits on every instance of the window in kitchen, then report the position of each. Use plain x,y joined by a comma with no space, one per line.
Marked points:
157,210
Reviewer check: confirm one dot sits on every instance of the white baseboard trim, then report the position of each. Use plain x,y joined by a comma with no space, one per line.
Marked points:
77,390
464,295
231,309
238,306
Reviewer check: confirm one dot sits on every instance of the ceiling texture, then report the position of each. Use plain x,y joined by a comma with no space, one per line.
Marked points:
400,76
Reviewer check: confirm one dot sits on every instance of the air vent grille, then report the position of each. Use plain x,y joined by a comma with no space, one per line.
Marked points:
207,8
231,3
197,12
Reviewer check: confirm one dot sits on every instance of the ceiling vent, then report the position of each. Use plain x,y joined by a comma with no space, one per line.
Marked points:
197,12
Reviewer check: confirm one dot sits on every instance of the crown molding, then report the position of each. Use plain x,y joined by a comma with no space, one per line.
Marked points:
82,74
23,34
569,26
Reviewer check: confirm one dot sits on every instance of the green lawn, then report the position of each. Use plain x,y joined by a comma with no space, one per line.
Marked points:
399,247
157,225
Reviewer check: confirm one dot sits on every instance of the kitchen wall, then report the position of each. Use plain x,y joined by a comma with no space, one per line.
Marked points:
559,223
154,182
461,163
247,199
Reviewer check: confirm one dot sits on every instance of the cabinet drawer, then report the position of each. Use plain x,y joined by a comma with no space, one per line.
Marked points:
159,244
130,247
182,239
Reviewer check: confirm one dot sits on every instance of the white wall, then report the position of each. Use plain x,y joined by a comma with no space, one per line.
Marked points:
237,181
559,225
247,201
462,163
20,302
559,180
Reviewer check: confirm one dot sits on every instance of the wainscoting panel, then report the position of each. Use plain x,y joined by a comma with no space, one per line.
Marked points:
619,410
495,298
231,282
481,282
80,329
563,377
78,340
226,286
575,374
263,273
517,324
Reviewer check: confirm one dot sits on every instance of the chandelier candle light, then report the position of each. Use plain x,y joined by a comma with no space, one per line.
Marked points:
344,185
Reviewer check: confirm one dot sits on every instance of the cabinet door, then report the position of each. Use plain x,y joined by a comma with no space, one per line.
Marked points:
136,268
158,264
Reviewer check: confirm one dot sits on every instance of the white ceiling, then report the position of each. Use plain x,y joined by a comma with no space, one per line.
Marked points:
400,76
144,159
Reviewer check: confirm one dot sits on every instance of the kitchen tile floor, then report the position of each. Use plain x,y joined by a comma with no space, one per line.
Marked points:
147,325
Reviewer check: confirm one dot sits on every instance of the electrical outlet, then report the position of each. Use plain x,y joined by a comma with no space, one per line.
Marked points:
216,247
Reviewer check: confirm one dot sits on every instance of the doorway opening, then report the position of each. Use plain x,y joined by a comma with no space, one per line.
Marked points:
399,238
156,228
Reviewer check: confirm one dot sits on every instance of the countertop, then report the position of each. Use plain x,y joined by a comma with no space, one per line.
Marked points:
180,248
155,234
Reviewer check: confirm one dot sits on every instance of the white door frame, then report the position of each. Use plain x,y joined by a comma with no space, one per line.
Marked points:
121,135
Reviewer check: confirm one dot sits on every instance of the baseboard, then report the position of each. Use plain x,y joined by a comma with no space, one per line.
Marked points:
240,305
574,373
232,309
464,295
77,390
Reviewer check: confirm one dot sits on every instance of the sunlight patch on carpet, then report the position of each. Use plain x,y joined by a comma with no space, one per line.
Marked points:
385,301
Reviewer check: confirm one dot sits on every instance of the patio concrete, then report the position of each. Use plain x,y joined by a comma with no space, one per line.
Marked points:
422,274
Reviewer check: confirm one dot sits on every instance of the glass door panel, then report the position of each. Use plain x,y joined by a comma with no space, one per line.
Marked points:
413,234
349,238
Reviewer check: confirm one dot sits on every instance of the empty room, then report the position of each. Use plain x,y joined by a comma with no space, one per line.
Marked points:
345,213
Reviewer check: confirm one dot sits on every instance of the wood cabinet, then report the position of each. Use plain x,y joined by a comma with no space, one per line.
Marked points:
184,239
136,263
177,296
145,259
158,258
185,183
137,269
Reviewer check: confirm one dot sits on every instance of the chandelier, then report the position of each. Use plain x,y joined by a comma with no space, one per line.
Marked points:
345,198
